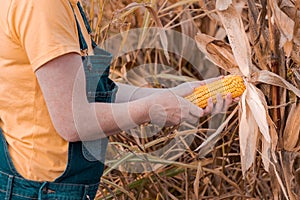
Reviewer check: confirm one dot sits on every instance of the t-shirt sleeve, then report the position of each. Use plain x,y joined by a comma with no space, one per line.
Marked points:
46,29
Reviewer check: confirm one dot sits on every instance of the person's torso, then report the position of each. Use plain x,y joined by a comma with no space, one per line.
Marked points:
37,151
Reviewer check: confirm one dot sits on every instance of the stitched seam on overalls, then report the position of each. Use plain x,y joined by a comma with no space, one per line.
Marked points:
67,169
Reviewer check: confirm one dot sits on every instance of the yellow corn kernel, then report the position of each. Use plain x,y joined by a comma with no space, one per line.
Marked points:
228,84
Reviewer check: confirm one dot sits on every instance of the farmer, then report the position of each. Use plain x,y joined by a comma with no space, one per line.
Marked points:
45,115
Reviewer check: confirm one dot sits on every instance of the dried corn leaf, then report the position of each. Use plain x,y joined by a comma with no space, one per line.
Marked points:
284,23
253,118
266,147
292,129
255,102
217,52
248,132
268,77
239,43
274,138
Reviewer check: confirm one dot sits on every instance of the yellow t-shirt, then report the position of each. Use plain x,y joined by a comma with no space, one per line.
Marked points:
31,34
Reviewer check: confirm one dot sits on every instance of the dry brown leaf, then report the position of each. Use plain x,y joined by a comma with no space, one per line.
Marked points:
248,133
266,147
292,128
238,39
274,139
284,23
217,52
268,77
254,100
288,47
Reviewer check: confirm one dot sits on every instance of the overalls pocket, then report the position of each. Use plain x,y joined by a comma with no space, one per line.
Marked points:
99,88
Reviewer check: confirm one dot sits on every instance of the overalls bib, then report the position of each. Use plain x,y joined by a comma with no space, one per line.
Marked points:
80,180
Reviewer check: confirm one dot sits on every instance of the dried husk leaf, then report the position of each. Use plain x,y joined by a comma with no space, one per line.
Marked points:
284,23
248,133
292,129
274,136
217,52
254,100
238,39
268,77
266,147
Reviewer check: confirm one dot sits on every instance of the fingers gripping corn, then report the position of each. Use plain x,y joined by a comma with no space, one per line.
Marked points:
228,84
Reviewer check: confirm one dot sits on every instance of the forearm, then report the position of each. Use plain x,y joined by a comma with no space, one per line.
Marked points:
98,120
128,93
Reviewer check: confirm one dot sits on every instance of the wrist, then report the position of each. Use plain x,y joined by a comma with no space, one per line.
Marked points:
139,110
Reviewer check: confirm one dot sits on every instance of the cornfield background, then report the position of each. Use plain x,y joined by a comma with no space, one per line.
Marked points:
253,153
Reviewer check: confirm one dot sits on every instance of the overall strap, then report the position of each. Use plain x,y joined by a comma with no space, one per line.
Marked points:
82,42
86,23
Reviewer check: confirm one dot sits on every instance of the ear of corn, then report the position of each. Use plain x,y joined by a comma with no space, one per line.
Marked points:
228,84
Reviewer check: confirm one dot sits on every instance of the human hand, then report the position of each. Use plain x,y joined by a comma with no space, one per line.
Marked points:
168,109
219,105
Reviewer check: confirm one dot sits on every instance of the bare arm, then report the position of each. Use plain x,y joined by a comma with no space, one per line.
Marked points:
62,82
127,93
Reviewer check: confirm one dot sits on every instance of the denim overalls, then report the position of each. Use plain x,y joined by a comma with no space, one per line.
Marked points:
81,177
